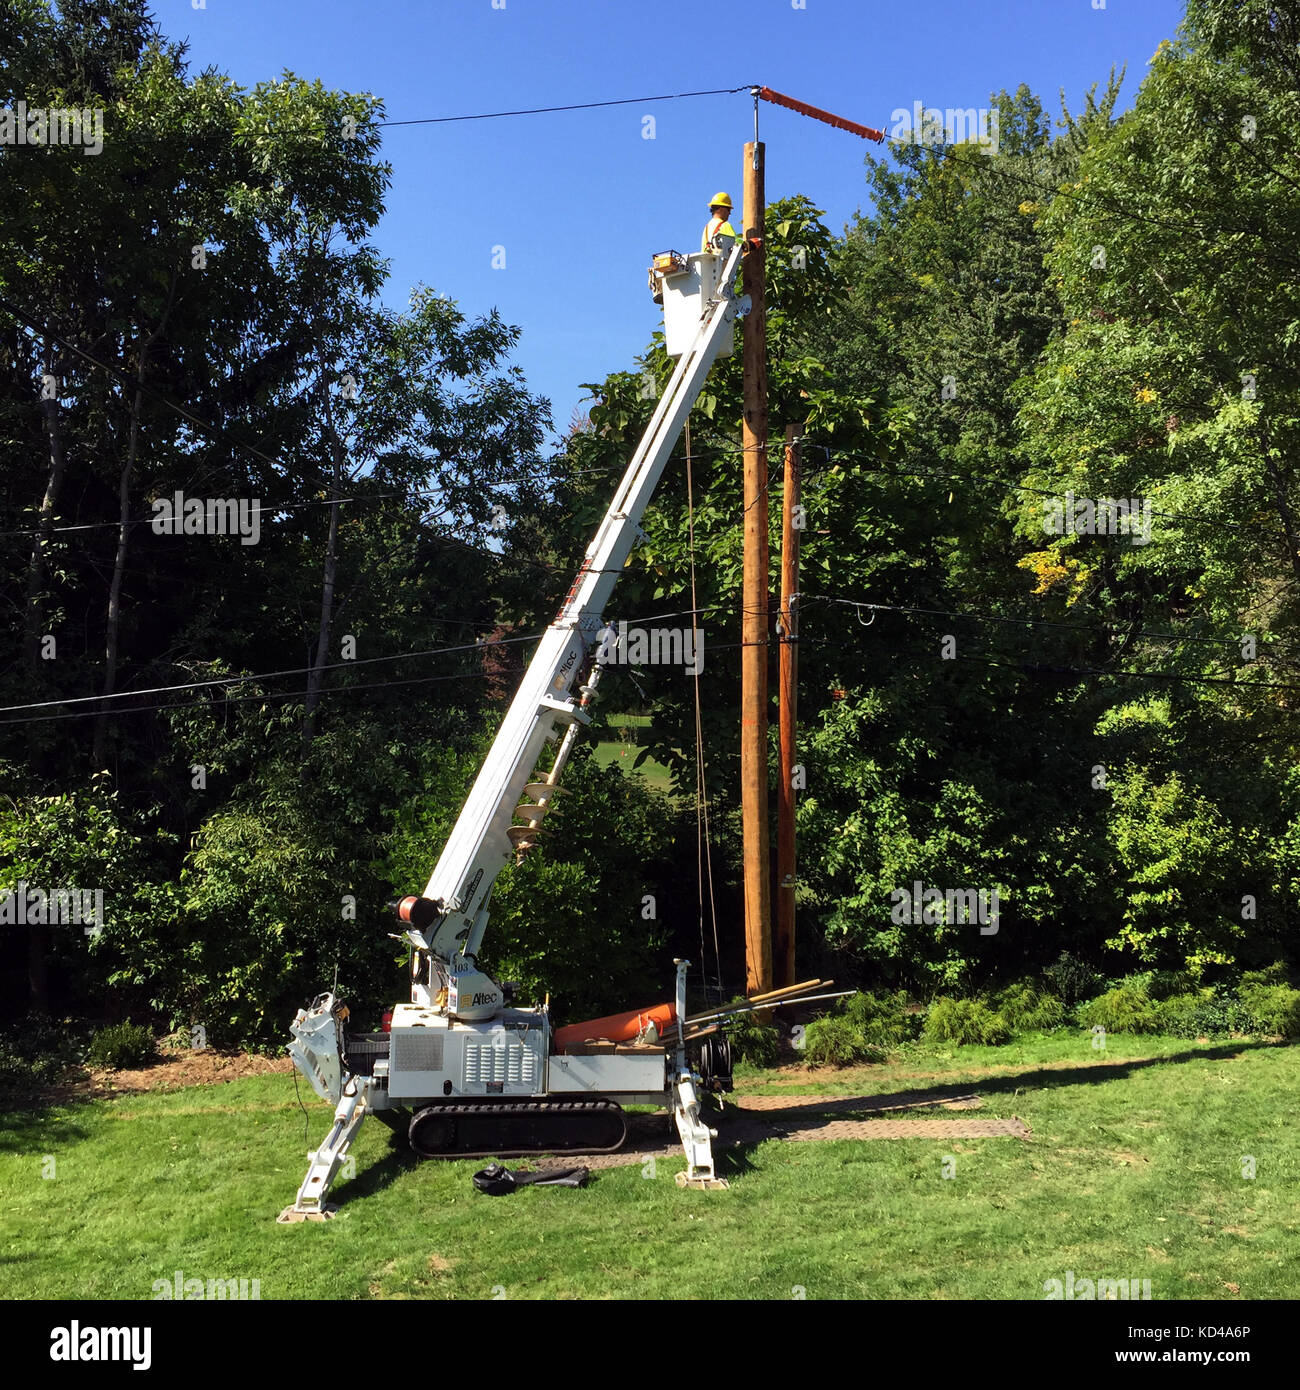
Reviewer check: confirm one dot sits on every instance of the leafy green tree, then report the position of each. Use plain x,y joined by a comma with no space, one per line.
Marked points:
1174,383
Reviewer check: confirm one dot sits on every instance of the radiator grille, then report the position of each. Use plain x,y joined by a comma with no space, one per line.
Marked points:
418,1050
515,1065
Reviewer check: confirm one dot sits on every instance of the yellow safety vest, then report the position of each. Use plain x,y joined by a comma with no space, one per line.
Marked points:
712,228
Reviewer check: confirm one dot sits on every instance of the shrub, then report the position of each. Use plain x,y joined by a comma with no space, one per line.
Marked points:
121,1045
1204,1014
883,1020
1026,1007
837,1042
1164,984
753,1042
965,1021
1274,1007
1071,979
36,1051
1127,1008
1275,974
15,1072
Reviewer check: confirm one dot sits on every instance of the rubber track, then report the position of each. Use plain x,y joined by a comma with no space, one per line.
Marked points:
545,1115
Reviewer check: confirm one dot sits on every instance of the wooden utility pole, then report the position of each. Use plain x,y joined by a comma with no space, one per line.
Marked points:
754,597
787,688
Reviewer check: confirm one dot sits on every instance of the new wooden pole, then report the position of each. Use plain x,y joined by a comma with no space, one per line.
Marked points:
783,951
754,598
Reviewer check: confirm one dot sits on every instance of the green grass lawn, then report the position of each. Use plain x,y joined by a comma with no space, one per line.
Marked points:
622,751
1134,1170
624,754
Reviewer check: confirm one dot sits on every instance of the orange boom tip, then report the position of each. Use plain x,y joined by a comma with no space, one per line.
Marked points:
780,99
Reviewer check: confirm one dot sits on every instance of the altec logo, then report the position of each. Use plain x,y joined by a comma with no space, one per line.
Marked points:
77,1343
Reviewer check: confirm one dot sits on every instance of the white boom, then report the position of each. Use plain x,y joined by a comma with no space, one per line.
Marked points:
457,1039
479,845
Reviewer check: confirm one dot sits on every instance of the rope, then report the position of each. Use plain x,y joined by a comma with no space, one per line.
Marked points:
703,845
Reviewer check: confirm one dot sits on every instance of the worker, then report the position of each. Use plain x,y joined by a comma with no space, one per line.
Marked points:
718,226
719,237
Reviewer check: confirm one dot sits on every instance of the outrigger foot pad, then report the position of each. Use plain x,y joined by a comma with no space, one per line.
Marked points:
290,1216
704,1184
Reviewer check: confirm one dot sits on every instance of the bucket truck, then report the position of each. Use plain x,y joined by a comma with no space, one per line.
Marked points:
467,1072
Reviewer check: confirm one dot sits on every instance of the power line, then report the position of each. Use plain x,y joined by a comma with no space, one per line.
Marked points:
484,645
500,484
573,106
319,130
1133,675
1031,668
1036,668
1008,485
274,507
1022,667
295,694
238,699
1031,622
259,676
213,431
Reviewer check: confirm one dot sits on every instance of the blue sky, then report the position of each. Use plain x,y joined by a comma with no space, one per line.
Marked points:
579,200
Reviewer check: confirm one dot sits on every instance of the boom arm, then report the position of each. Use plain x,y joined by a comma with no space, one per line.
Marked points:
452,918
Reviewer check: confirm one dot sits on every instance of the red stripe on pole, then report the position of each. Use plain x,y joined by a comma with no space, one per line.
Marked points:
780,99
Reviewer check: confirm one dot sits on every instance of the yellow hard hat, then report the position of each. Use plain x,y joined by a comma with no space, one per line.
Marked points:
720,200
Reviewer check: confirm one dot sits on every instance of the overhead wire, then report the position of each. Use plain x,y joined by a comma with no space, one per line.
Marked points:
1033,622
571,106
483,646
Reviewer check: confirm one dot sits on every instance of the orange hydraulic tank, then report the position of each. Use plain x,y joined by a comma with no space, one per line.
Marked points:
617,1027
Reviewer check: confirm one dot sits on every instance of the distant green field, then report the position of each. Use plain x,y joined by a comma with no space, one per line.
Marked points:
623,751
1136,1168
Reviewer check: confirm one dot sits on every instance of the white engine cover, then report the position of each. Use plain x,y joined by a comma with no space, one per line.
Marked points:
432,1057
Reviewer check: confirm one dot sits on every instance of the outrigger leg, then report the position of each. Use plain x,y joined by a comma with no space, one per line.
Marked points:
328,1159
697,1138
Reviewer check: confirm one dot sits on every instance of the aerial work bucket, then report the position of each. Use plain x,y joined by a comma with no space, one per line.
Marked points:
686,301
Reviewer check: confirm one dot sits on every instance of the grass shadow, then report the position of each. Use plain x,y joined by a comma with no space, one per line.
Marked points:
1053,1077
28,1130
